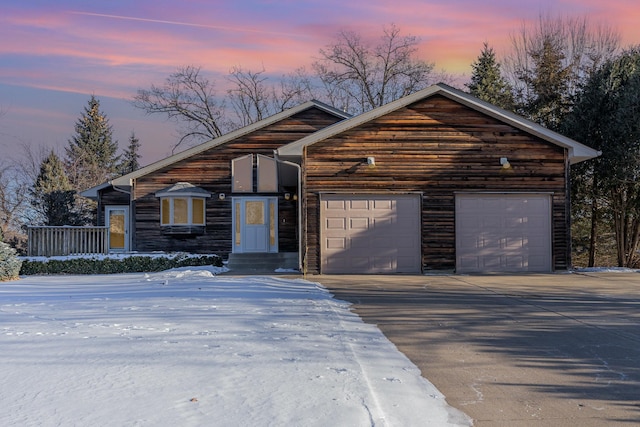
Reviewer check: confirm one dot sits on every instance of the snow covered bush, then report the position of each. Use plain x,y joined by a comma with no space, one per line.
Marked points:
106,265
9,263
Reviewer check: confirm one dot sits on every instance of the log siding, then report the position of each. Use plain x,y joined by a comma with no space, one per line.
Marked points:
436,147
211,170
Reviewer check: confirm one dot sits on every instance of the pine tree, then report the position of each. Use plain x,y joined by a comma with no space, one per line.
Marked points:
130,158
547,85
487,82
9,263
52,195
91,154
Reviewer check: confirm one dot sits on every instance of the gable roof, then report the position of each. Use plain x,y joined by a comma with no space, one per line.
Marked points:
126,180
577,151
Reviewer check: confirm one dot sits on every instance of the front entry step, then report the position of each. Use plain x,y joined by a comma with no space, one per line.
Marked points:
251,263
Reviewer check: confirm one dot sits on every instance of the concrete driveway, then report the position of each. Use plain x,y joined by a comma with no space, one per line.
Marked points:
517,350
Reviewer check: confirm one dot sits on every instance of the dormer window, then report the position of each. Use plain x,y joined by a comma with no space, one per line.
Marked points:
183,208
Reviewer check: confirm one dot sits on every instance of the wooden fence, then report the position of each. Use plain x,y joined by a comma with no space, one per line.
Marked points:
66,240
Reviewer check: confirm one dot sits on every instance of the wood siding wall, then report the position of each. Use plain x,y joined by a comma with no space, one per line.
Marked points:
437,147
211,170
109,197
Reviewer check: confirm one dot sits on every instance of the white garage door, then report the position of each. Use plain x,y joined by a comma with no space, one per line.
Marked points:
503,233
370,233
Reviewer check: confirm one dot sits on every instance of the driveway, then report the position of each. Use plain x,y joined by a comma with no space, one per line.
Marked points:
517,350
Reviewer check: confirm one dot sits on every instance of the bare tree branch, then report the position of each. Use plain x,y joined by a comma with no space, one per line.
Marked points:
363,77
189,99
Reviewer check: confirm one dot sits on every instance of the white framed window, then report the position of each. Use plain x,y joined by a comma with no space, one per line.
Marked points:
182,211
183,204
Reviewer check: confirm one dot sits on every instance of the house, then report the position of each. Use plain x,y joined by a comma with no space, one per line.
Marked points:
437,180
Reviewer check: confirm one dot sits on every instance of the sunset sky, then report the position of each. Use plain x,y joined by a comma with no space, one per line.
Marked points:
54,55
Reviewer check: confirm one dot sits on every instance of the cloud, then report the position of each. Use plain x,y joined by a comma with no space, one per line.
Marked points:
187,24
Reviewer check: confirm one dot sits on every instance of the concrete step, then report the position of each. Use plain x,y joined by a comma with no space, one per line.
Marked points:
249,263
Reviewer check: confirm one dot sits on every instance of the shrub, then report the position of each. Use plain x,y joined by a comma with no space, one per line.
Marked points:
9,263
132,264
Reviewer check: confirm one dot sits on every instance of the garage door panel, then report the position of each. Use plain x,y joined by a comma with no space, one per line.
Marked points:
337,262
336,243
359,204
515,262
490,262
508,232
386,205
359,223
357,263
359,242
382,233
335,205
384,263
335,223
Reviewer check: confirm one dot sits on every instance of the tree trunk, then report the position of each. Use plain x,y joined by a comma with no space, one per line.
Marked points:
593,237
594,225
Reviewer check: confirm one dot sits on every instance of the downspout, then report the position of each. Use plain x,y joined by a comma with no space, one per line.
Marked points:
299,171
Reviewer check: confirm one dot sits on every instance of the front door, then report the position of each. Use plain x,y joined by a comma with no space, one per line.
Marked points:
255,224
117,220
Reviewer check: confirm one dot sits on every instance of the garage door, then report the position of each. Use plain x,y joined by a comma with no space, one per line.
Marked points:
503,233
370,234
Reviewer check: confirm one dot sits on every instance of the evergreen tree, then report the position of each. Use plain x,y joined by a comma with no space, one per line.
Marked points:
487,82
10,264
551,60
91,154
52,195
130,158
606,118
547,97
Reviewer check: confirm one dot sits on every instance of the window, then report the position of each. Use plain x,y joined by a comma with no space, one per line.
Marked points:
242,173
266,173
183,208
182,211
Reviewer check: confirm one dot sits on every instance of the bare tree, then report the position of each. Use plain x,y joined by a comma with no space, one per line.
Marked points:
358,76
250,96
188,98
254,98
14,202
551,59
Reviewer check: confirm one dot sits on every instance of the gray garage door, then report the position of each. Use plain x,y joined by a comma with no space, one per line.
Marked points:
503,233
370,233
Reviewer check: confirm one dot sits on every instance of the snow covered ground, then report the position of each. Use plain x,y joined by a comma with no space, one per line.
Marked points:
188,348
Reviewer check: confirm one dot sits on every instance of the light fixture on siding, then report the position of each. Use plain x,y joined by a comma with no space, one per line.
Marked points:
221,196
505,163
287,196
371,161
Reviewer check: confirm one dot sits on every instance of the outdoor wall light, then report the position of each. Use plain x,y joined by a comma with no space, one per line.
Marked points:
287,196
505,163
221,196
371,161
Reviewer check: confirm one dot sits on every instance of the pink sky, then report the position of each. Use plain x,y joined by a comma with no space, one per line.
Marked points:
54,55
